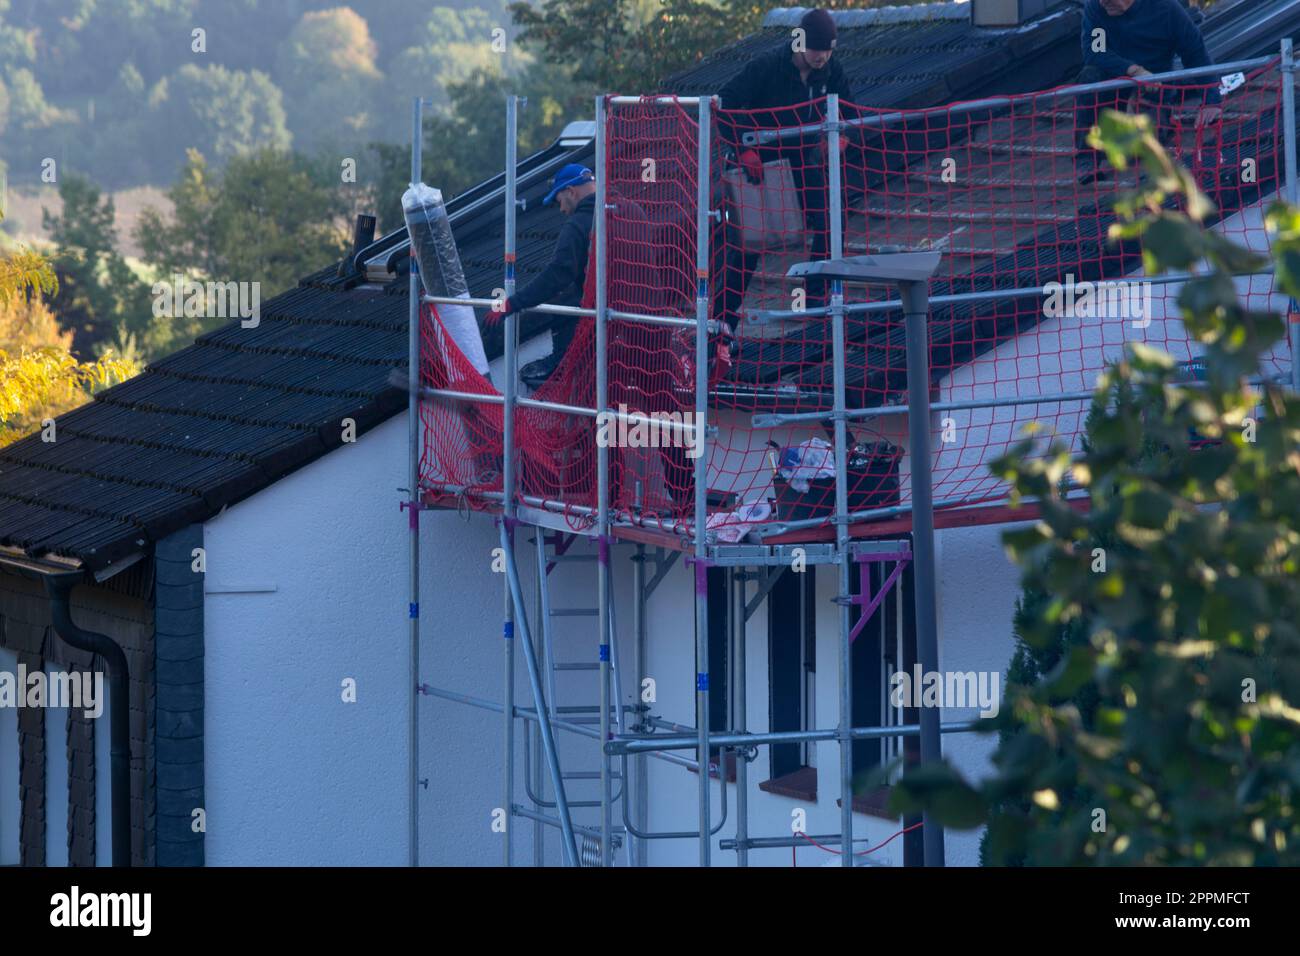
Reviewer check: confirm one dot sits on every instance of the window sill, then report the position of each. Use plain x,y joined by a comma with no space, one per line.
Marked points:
800,785
873,803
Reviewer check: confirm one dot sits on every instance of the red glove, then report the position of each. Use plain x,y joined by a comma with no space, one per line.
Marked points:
822,147
752,165
495,315
721,367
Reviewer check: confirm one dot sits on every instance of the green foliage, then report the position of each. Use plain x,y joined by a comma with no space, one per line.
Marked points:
28,108
630,46
97,290
453,47
222,113
266,218
83,42
119,80
326,66
468,143
1034,662
1193,640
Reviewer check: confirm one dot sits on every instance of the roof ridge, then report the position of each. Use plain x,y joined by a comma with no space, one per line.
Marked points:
875,16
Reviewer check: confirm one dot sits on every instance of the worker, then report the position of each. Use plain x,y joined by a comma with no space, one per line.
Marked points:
1137,38
784,88
562,280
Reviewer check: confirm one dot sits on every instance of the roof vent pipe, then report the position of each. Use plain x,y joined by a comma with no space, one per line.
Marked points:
59,589
363,234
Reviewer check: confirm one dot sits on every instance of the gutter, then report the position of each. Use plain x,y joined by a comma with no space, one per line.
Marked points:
59,589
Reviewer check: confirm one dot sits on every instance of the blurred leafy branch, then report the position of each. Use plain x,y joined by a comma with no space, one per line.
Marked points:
1191,634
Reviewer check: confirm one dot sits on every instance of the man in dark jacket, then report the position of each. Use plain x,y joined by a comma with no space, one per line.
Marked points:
1137,38
779,87
561,282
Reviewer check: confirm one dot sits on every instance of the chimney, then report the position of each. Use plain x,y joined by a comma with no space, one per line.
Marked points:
1006,13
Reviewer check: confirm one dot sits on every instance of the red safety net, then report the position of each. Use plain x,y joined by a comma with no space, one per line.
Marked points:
1003,191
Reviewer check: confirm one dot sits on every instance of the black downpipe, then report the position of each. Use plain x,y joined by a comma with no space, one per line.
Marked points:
59,590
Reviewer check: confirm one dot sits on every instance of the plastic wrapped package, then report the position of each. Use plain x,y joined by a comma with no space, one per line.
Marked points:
440,268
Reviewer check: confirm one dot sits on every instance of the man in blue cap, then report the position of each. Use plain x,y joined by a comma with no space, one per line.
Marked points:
561,281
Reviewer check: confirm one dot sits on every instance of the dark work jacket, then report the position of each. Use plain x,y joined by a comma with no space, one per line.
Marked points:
562,280
772,82
1148,34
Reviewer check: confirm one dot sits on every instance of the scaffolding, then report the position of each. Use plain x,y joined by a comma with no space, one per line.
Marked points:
558,509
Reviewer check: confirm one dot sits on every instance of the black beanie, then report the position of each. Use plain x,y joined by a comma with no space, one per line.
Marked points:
818,30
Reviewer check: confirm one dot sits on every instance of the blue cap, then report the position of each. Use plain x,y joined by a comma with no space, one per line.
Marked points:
574,174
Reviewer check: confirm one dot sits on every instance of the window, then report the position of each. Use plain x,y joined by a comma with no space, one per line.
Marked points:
885,645
720,628
792,666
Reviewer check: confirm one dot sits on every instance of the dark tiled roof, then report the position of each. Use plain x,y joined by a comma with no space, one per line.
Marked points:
921,62
205,427
241,408
1027,253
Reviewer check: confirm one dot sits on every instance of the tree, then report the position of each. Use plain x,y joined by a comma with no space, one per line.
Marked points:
97,290
1193,756
455,47
391,20
88,40
630,46
27,105
221,113
264,219
1031,663
326,66
39,377
468,143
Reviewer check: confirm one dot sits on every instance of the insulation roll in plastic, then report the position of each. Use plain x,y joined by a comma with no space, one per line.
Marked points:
440,268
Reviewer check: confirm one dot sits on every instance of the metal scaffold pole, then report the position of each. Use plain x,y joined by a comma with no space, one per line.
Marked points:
915,317
702,473
833,160
511,331
413,505
640,794
602,478
1289,183
740,723
541,614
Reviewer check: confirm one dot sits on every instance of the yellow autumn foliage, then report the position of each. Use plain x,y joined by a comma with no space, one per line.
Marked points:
39,377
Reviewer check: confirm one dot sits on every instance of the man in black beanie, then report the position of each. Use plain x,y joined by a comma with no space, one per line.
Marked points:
780,86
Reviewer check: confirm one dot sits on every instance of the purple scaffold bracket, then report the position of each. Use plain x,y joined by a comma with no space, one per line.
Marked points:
865,599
